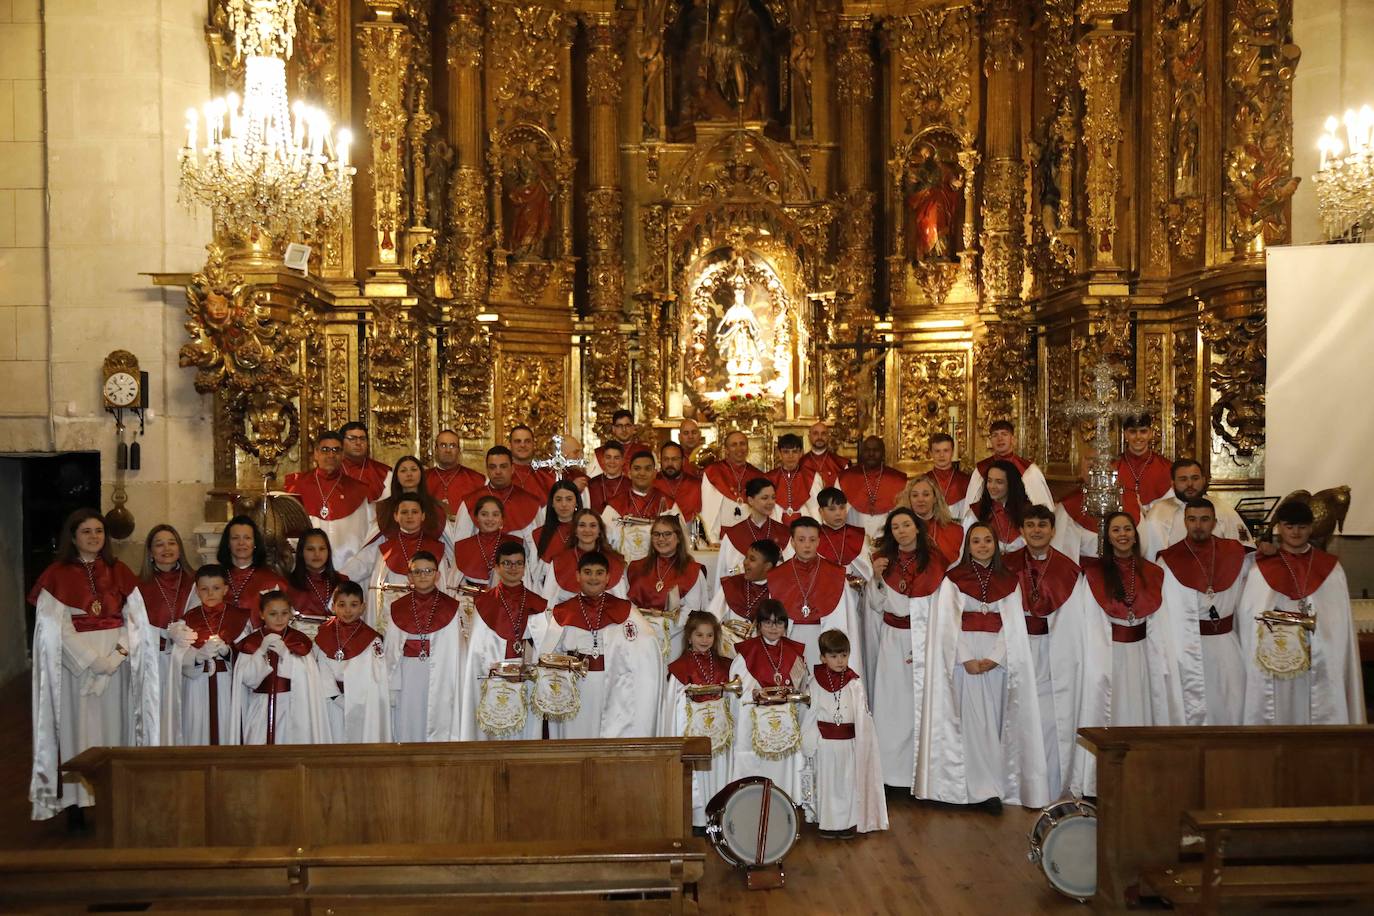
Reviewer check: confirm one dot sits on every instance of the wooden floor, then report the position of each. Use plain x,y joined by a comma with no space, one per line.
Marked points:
934,859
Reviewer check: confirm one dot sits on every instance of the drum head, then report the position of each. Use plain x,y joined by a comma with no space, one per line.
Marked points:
1069,856
740,824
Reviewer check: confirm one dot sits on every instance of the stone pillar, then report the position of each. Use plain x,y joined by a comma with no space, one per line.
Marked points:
609,354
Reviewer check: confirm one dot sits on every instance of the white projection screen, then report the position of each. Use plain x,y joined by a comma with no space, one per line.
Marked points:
1319,415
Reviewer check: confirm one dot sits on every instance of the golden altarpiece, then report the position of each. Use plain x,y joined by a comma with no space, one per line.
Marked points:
903,217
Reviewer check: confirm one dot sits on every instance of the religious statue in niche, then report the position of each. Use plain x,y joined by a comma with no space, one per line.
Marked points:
723,62
529,187
932,197
740,332
739,340
652,66
1047,156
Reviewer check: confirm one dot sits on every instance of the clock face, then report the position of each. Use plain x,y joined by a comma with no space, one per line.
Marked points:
121,389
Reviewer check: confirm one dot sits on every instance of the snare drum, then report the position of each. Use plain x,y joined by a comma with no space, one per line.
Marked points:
1064,843
736,826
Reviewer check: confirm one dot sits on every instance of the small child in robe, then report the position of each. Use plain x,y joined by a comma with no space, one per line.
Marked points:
196,711
277,697
423,648
840,738
708,715
353,671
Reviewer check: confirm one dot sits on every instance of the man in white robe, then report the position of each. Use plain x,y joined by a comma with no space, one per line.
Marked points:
1163,525
336,503
722,486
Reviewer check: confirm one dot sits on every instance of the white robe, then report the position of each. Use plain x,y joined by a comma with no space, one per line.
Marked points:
844,617
361,714
717,511
186,708
1072,539
1210,670
623,700
74,708
483,648
810,508
672,723
553,593
631,539
894,708
460,525
848,774
1163,525
1037,487
161,645
300,714
980,735
1056,659
1331,692
791,773
720,608
368,568
426,693
730,561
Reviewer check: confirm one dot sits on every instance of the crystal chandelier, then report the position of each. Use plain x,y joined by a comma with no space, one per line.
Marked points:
266,167
1345,179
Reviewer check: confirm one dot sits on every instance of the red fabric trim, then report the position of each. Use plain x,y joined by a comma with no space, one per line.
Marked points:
966,580
397,547
452,486
343,500
177,585
738,590
404,612
1190,569
231,624
979,622
743,534
1021,464
835,731
953,483
889,486
68,583
919,584
823,598
520,507
828,465
753,651
1279,579
685,492
644,576
800,489
821,677
569,613
333,631
842,545
687,670
297,643
1149,590
729,480
371,472
1058,577
1145,480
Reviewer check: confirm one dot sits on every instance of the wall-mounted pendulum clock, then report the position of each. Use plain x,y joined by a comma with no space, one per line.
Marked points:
125,387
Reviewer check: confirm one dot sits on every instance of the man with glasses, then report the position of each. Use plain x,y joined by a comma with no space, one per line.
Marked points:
623,430
335,502
449,480
359,465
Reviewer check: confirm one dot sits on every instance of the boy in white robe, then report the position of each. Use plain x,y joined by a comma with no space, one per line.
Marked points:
383,564
839,736
277,697
353,672
735,602
197,711
618,695
1297,633
815,591
1203,580
508,619
424,658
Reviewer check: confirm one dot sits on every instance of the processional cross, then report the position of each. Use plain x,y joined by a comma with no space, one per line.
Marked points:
558,462
1101,491
861,344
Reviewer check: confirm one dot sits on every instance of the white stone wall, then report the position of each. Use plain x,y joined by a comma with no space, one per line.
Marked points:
93,95
1336,73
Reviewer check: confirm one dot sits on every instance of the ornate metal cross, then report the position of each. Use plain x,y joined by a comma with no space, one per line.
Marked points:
861,344
558,462
1101,492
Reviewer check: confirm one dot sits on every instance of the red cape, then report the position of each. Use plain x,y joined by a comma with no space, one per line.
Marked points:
1223,558
828,465
371,472
793,490
451,486
520,507
685,492
741,595
1281,581
569,613
967,581
1058,576
644,577
68,583
842,545
334,630
870,493
165,597
1149,590
411,619
745,533
953,483
755,654
345,494
1145,479
919,583
730,480
789,579
688,670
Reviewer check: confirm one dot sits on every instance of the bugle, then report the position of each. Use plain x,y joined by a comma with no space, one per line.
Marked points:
1288,619
776,696
390,587
699,690
738,627
559,662
512,670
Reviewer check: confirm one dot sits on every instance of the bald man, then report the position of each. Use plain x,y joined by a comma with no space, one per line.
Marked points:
871,487
821,459
722,487
689,437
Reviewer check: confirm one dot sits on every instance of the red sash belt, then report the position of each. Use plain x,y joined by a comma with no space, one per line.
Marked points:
979,622
897,623
283,684
221,666
1128,634
90,623
836,731
1216,627
594,662
1037,626
413,647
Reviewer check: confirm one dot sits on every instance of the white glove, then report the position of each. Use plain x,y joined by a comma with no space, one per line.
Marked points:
107,664
214,646
181,634
273,642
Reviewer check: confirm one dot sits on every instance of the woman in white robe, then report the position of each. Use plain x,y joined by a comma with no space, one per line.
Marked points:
553,533
668,584
588,536
1000,506
908,576
277,697
95,666
768,735
166,591
707,715
353,672
981,737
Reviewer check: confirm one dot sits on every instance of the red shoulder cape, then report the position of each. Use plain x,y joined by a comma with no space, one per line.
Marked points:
755,655
872,494
1224,559
1279,579
1058,577
355,641
788,579
1149,590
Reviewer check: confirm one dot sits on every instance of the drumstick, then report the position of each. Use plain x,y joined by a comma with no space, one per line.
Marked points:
764,807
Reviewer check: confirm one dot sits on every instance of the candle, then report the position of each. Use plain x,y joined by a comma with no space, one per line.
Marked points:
345,140
191,129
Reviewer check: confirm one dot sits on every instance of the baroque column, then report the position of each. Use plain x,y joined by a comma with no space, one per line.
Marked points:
855,82
1102,57
609,356
384,47
1001,352
468,356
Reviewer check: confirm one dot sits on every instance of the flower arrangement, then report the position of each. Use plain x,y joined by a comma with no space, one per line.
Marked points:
743,408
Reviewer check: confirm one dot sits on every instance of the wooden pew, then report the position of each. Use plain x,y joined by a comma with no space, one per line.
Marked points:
533,821
1148,777
1296,841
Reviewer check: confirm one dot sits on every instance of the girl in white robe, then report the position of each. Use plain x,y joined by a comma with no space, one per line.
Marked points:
668,584
95,671
277,697
1125,640
508,620
353,672
981,737
707,715
422,645
554,533
383,564
588,536
1203,580
474,557
166,591
1000,506
908,576
758,525
768,734
1296,676
839,737
197,711
618,696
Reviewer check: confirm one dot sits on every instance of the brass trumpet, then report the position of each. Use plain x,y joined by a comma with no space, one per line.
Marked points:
740,629
467,588
1288,619
559,662
776,696
509,671
731,686
390,587
635,520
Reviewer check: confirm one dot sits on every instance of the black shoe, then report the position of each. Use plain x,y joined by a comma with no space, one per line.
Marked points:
992,806
76,819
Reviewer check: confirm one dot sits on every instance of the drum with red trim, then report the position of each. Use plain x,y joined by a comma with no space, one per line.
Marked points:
752,822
